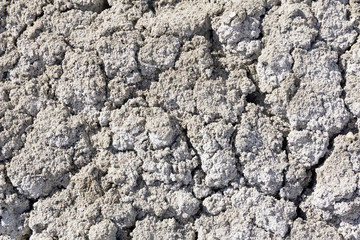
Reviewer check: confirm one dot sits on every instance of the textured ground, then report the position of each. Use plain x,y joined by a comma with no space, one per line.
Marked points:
171,119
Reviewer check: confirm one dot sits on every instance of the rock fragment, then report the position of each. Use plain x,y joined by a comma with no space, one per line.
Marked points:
335,27
247,204
258,143
350,64
158,54
151,228
82,85
321,107
14,208
46,160
335,198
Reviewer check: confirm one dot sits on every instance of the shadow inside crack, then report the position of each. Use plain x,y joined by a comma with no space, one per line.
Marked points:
105,5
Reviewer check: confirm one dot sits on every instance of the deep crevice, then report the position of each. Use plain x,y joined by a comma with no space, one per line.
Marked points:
284,147
128,231
105,5
309,188
300,213
343,76
152,7
256,97
31,202
188,142
312,183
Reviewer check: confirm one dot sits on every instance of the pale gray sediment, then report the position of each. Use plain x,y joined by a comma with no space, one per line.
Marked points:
172,119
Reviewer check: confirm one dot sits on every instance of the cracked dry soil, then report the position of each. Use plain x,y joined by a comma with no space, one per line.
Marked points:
170,119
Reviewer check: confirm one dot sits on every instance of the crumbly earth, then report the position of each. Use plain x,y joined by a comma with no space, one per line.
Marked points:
179,119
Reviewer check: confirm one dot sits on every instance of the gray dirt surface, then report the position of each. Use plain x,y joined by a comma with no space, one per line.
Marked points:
179,119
